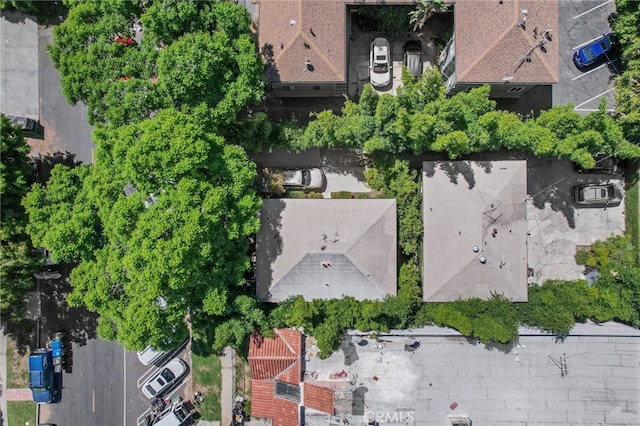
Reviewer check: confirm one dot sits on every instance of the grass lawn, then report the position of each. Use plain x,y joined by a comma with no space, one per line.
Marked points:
17,367
19,413
207,379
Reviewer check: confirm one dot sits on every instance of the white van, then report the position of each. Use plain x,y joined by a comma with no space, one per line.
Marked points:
174,415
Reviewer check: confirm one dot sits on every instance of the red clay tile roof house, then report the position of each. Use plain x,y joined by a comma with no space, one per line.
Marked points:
275,365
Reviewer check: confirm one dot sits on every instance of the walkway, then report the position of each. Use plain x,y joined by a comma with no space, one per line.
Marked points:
227,392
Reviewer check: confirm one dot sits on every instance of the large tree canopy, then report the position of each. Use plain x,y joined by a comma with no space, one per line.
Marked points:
422,119
16,260
165,214
126,60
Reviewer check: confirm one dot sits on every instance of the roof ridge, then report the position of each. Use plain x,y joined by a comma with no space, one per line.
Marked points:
299,30
362,234
317,50
286,343
484,53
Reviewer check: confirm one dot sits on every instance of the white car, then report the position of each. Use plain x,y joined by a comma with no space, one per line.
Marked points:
380,62
150,355
165,378
303,179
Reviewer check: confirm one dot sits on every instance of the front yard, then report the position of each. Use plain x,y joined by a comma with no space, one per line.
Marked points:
206,371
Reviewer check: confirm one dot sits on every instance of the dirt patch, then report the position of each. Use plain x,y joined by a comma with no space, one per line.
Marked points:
17,366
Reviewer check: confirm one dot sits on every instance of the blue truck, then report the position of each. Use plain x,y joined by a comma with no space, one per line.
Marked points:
45,371
41,380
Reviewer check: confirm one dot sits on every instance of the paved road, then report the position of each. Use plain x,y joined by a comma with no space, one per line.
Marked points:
65,126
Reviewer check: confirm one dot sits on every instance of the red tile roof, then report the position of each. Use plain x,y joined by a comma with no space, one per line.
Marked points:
319,398
277,358
491,46
264,404
272,359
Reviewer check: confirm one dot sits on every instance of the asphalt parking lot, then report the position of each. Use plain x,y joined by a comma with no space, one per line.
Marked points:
582,21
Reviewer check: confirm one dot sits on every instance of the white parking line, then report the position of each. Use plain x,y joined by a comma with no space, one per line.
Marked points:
595,97
593,109
592,9
146,375
588,72
141,420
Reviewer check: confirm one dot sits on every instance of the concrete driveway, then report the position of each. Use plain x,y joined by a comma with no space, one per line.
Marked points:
582,21
19,65
557,227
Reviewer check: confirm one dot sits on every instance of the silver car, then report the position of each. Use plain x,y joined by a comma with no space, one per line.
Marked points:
303,179
165,378
598,194
380,62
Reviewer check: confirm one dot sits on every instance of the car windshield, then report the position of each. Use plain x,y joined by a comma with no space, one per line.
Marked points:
151,390
588,54
380,68
168,375
306,177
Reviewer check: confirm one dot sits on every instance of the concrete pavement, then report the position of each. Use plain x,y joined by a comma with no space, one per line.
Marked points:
19,94
227,393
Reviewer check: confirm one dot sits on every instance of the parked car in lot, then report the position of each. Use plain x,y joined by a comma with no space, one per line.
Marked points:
303,179
25,123
165,378
595,50
149,356
380,62
598,194
413,57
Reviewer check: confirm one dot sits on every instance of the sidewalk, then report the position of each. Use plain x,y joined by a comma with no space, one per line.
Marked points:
3,375
227,392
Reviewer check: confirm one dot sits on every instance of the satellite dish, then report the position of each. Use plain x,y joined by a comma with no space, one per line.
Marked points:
507,78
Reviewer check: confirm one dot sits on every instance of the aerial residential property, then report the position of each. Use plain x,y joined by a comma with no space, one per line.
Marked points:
320,212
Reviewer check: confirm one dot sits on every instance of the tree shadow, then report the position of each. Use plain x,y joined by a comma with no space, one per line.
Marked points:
349,350
268,245
45,163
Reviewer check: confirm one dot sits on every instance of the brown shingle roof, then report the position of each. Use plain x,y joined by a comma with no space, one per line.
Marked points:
288,27
319,398
491,46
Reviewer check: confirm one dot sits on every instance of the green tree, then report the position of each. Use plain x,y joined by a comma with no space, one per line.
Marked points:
424,10
188,53
17,263
167,209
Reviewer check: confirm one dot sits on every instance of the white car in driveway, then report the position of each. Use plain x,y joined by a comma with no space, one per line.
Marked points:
380,62
303,179
165,378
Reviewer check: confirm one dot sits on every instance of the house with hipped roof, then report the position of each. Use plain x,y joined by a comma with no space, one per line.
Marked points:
508,44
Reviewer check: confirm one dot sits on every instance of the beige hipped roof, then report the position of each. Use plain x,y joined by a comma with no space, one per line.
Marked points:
326,249
490,46
479,205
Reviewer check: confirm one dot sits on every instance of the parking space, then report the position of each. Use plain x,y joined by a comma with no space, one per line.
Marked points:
557,227
581,22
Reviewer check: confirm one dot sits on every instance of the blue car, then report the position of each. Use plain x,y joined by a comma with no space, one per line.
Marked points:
594,51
